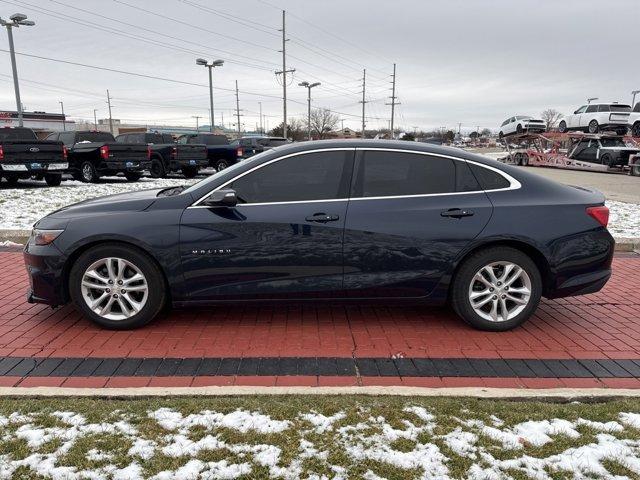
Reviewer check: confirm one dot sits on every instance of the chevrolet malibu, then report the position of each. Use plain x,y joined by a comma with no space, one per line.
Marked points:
348,220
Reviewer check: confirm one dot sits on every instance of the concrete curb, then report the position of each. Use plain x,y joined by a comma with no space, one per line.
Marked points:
21,236
554,394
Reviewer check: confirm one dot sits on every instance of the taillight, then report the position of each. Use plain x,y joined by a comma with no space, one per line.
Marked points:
65,152
600,214
104,152
1,153
239,152
174,152
148,152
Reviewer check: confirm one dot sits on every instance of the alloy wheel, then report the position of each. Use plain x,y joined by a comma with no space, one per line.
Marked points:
221,166
500,291
114,288
87,173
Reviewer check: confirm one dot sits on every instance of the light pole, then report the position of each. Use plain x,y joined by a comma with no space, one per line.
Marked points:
95,119
210,65
64,122
17,19
197,117
589,100
309,86
633,100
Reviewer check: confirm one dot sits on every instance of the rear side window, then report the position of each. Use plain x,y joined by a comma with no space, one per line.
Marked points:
388,174
488,179
311,176
603,108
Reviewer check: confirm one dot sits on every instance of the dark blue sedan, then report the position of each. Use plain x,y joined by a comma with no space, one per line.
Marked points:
332,220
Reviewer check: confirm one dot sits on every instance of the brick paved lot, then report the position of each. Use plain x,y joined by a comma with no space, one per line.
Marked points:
592,340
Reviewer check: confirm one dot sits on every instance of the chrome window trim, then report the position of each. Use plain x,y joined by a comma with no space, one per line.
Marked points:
513,183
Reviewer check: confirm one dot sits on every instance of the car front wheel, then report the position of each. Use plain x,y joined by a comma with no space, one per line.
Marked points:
496,289
562,127
117,287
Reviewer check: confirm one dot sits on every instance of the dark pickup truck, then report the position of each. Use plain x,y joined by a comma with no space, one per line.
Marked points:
94,154
257,144
23,156
221,153
168,156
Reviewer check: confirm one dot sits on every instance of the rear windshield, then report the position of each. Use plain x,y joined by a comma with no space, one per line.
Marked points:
94,137
17,134
620,108
154,138
276,142
212,140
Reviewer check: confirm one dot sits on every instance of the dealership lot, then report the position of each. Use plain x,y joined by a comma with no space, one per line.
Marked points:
586,341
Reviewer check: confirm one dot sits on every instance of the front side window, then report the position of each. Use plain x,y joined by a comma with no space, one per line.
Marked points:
390,174
305,177
592,108
580,110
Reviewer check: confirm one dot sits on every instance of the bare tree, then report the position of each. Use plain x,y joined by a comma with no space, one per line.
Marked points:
551,117
323,121
485,132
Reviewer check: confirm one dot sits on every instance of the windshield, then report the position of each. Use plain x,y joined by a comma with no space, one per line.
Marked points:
612,142
94,137
213,140
620,108
17,134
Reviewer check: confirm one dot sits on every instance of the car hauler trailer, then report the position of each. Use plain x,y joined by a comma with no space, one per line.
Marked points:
599,152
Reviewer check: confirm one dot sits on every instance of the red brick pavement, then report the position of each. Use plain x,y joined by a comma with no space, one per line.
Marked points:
602,325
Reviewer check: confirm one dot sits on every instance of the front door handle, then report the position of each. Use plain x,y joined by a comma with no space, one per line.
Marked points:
322,218
456,213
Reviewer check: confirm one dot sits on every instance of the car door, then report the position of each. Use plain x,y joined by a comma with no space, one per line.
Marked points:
410,215
587,151
283,239
573,121
590,113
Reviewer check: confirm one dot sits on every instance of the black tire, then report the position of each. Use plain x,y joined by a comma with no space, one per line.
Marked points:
88,173
635,130
562,126
500,135
221,165
519,129
622,132
12,181
156,298
463,281
189,172
593,127
157,169
53,179
517,158
607,159
132,176
524,160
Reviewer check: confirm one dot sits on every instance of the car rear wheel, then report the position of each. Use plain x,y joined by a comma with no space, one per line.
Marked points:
157,169
88,173
562,127
635,130
607,160
519,128
117,287
53,180
496,289
593,127
524,160
221,165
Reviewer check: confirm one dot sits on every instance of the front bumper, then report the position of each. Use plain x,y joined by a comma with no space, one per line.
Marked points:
45,269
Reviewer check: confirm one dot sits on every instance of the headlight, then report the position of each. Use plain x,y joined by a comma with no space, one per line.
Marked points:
44,237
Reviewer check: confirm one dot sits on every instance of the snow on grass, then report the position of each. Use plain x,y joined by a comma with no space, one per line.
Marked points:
410,441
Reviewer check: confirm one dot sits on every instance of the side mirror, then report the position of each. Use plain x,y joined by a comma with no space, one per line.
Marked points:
221,198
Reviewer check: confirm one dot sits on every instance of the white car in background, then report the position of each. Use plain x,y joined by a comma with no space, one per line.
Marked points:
595,117
521,124
634,120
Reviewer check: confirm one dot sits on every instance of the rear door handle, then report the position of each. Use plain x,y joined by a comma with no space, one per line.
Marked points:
456,213
322,218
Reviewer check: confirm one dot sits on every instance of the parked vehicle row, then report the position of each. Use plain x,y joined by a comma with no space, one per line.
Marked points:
220,152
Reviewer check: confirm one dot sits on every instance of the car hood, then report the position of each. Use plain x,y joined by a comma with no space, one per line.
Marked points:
120,202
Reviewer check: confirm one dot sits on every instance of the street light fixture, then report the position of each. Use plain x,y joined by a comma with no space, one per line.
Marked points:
210,65
17,20
589,100
309,86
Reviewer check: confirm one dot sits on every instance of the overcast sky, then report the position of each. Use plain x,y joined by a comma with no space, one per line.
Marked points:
476,62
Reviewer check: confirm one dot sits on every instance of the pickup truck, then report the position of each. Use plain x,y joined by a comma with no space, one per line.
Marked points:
168,156
257,144
93,154
220,152
23,156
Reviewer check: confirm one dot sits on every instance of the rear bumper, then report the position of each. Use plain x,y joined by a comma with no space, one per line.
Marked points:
126,166
200,162
582,284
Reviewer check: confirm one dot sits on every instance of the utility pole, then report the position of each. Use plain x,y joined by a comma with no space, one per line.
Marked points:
17,19
284,74
459,126
363,101
238,108
393,98
110,118
222,119
342,122
64,122
95,119
197,117
260,104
